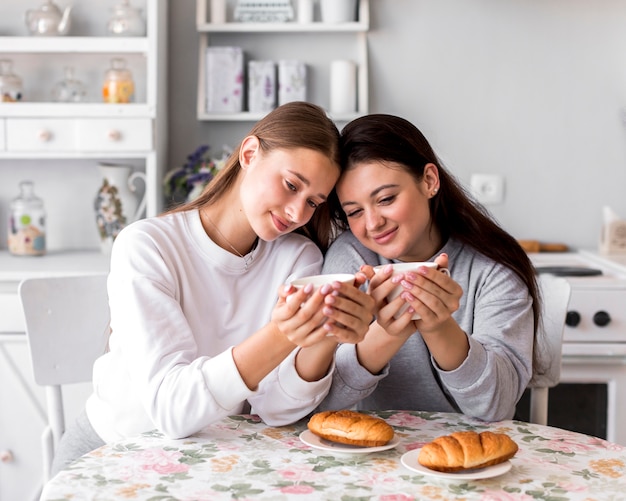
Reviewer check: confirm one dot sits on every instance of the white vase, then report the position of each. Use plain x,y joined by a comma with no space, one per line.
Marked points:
116,204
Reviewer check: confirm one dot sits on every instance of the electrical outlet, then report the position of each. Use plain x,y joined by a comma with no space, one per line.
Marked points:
488,188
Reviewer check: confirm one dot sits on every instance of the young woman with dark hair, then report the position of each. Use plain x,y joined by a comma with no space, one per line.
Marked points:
472,349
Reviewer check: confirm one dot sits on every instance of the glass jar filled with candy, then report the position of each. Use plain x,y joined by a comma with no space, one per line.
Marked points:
118,86
27,223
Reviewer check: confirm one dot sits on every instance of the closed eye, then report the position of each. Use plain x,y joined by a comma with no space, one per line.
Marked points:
354,213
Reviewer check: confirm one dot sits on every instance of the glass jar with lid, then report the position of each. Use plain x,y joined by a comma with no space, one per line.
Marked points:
69,90
27,223
118,86
126,21
10,83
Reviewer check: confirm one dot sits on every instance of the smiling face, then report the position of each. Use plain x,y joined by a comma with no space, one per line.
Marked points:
388,210
282,188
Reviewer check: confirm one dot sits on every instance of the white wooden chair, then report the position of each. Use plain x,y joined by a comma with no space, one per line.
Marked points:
555,292
67,325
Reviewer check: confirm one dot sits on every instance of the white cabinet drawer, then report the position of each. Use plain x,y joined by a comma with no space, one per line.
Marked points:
78,135
103,134
40,134
2,139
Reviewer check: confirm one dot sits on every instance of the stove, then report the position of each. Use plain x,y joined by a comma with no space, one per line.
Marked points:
596,318
594,338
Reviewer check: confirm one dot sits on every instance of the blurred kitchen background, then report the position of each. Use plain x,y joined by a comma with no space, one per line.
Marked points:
531,90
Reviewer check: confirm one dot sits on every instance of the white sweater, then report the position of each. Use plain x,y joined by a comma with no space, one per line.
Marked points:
179,303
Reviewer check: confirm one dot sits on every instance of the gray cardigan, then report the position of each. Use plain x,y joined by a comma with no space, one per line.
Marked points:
496,314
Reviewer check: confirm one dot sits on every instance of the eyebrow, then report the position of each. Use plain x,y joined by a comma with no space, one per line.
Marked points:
372,194
306,182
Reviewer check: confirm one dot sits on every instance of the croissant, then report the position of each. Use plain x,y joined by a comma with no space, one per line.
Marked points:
466,450
351,427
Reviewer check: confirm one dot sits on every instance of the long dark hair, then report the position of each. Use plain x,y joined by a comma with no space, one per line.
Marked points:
292,125
455,213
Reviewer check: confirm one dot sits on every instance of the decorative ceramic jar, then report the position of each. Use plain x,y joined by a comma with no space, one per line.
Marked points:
10,83
27,223
116,204
118,86
126,21
69,90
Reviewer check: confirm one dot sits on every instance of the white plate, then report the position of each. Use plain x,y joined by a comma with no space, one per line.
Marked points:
312,440
409,460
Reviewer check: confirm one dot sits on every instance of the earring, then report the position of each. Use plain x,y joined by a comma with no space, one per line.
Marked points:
435,191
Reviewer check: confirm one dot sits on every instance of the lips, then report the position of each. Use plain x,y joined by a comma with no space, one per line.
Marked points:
384,238
280,224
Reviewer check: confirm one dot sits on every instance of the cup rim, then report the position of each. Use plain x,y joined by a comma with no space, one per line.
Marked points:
407,265
321,279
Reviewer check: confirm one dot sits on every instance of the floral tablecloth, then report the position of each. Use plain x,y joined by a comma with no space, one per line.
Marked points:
242,458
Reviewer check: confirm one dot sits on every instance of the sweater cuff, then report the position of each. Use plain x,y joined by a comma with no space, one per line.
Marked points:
296,387
354,375
470,371
228,392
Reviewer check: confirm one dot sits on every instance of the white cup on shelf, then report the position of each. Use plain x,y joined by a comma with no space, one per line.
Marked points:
343,86
218,11
304,11
338,11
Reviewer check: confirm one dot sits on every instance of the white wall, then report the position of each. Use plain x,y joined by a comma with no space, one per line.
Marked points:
530,89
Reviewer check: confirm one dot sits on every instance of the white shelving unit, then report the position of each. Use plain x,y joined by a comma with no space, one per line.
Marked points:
96,130
45,136
290,41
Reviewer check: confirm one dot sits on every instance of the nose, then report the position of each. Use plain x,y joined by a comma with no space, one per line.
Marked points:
373,220
295,211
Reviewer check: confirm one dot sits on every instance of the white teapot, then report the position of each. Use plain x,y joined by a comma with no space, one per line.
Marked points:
48,20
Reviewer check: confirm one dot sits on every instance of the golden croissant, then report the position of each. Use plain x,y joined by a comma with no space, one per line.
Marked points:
351,427
467,450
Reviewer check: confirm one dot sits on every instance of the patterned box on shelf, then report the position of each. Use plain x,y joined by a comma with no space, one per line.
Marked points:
291,81
261,86
224,92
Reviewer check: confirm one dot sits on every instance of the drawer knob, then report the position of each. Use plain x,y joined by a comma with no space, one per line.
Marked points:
115,135
601,318
45,135
6,456
572,319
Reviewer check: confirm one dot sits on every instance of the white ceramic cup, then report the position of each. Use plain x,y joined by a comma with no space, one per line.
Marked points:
338,11
403,268
319,280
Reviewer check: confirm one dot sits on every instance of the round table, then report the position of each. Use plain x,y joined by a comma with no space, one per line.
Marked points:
240,457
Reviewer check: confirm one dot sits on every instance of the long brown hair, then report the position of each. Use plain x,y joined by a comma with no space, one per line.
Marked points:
455,213
293,125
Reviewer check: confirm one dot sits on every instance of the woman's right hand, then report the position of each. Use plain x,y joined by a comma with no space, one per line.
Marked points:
298,314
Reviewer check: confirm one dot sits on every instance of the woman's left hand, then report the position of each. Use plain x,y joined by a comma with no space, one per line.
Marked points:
433,295
349,311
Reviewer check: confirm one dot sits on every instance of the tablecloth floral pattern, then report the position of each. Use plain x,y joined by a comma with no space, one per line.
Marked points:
242,458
